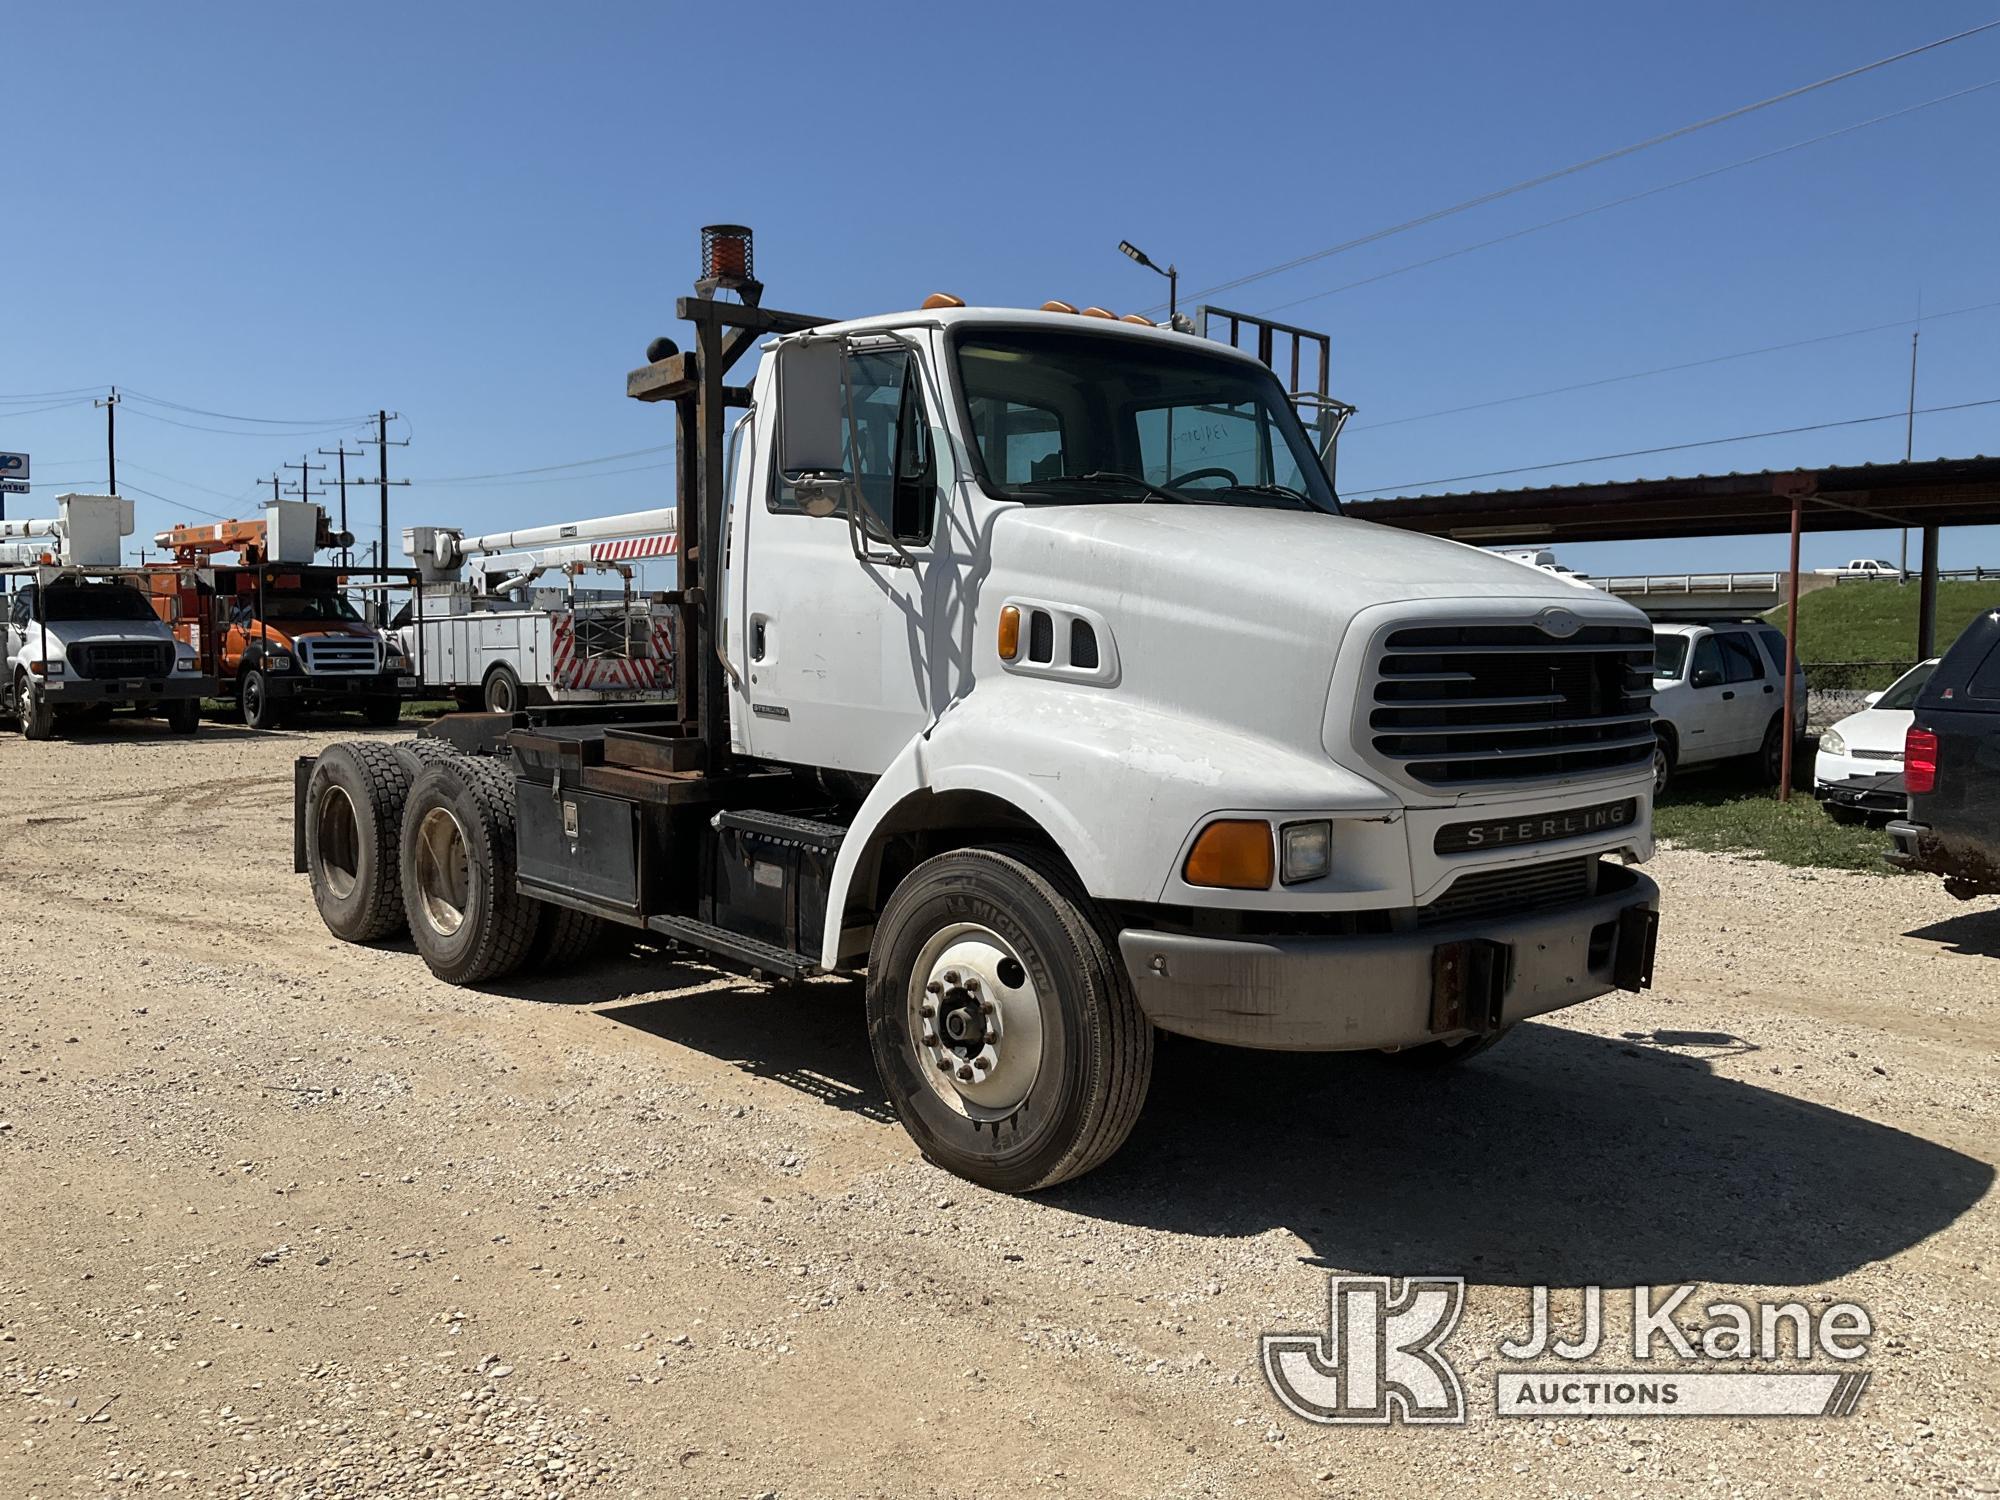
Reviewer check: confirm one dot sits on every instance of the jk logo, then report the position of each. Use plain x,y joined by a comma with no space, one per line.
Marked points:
1378,1360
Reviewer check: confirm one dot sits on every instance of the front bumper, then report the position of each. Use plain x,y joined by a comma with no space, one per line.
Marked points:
1879,793
136,690
1400,989
331,687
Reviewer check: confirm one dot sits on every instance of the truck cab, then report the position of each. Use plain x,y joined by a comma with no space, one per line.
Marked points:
79,645
275,628
1031,668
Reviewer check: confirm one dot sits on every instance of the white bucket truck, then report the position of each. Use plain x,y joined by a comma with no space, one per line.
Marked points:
503,622
81,634
1031,668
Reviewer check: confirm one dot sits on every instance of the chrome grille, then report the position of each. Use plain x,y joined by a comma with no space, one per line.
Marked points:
102,659
1463,705
1508,892
340,653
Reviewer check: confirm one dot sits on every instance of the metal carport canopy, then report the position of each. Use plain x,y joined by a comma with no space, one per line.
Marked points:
1860,497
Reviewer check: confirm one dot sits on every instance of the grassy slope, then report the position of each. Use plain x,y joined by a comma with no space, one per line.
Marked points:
1717,810
1878,621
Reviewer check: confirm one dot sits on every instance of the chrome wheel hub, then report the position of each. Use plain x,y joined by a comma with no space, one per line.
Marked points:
444,872
976,1021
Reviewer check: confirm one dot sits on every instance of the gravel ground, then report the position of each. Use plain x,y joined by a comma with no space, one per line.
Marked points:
290,1218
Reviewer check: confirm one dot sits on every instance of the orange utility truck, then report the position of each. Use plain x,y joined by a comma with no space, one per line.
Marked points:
276,628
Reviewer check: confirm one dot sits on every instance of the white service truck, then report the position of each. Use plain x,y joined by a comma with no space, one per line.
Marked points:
81,637
1031,668
492,633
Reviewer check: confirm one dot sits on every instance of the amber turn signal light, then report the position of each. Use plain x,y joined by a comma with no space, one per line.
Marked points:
1232,854
1010,633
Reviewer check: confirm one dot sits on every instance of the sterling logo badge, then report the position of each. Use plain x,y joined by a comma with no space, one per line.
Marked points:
1558,622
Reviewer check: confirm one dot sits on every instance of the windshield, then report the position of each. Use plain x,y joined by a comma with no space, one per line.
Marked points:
1903,692
1080,418
94,601
1670,654
299,606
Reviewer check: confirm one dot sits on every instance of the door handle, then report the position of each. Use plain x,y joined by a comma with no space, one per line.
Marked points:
1726,693
1769,689
756,640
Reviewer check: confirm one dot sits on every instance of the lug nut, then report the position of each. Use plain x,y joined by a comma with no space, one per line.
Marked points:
965,1075
935,988
944,1064
930,1037
927,1010
987,1007
972,983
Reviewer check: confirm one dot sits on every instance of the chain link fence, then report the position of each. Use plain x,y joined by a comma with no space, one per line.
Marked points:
1835,689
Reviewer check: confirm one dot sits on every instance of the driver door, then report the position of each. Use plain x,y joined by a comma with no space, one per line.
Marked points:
20,611
833,662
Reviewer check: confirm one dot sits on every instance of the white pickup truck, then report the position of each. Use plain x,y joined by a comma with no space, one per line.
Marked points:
1042,679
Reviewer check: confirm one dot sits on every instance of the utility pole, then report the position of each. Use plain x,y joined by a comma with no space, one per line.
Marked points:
347,552
382,479
305,466
1909,445
274,485
110,405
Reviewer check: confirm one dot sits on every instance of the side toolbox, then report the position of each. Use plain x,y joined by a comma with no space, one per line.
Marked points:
772,872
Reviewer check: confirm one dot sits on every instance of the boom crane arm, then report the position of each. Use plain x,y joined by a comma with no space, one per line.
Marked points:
249,539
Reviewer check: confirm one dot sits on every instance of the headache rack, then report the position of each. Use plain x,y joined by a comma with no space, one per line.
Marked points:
1473,705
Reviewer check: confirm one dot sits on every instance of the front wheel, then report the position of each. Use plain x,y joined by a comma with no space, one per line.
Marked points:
183,715
1663,765
253,698
1002,1022
37,714
380,713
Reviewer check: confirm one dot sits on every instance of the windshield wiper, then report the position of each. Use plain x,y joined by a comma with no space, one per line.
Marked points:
1147,489
1283,491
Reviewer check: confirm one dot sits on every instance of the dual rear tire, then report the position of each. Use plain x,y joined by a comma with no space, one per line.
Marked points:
419,837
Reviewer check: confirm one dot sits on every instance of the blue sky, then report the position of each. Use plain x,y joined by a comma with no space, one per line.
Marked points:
477,216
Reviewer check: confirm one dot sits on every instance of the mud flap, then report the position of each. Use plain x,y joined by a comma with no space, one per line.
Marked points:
302,771
1638,937
1468,985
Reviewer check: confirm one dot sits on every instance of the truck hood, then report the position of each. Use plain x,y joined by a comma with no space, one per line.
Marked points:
1270,554
100,632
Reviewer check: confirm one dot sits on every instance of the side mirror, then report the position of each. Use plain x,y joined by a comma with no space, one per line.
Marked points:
1706,677
811,407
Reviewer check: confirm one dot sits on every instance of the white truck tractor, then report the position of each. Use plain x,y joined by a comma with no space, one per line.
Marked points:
1030,667
503,622
81,636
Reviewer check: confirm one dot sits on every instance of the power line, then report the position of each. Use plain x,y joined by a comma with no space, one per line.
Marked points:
153,416
81,390
1544,178
52,406
1743,437
186,483
1692,364
1596,208
506,484
178,504
577,463
226,416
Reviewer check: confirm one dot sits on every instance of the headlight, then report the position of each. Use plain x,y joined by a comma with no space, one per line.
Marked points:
278,661
46,668
187,662
1307,852
1832,743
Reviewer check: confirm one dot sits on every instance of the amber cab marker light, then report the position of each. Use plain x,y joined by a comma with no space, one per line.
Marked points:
1010,633
1232,854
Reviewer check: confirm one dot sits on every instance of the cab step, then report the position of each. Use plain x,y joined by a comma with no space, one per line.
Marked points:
765,958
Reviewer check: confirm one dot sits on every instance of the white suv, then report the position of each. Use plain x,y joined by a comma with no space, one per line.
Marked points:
1719,693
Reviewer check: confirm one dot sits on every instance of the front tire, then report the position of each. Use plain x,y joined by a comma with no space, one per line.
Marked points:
183,715
1664,757
1003,1025
254,701
1771,754
37,715
380,713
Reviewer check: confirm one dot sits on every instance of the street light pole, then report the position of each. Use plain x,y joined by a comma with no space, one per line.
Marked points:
1172,273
